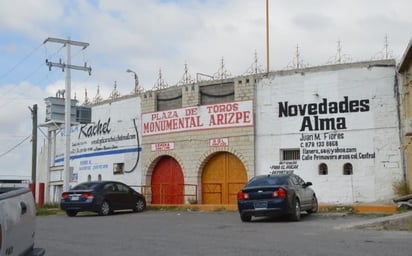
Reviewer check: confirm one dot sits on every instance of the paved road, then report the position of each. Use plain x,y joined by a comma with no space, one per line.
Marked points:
160,233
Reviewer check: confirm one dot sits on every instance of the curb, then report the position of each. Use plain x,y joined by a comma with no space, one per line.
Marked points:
382,223
375,208
322,208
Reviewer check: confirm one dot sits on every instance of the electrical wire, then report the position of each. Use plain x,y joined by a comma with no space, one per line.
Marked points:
27,76
13,148
20,62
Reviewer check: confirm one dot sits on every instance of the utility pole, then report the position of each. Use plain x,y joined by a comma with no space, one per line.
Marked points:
34,148
267,36
67,112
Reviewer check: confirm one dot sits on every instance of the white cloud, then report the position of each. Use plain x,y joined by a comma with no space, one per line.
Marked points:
31,17
16,127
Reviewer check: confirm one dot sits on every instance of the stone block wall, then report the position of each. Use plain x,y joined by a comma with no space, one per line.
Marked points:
192,149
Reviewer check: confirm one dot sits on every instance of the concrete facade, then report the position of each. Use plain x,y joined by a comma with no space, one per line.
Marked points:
405,98
344,117
108,148
341,123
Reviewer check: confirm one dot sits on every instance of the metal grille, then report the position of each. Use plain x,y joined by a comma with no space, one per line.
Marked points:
290,154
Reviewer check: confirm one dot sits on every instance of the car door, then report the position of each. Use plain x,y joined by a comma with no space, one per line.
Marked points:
126,197
306,192
298,188
111,195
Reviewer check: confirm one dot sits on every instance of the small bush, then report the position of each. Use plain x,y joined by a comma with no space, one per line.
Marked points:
192,201
51,205
401,188
337,209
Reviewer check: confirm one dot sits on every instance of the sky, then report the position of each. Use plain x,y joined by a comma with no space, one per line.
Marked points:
163,38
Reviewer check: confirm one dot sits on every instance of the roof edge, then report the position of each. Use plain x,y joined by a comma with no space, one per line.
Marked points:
406,58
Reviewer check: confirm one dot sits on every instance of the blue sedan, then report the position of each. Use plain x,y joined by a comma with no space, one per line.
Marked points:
274,195
102,197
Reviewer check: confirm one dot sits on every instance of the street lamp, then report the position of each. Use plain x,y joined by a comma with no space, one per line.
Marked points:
137,88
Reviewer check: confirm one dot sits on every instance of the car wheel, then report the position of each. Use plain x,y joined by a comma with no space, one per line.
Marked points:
296,210
71,213
245,218
105,209
140,205
314,208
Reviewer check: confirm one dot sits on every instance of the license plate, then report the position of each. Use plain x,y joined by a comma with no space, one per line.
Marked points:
75,198
261,205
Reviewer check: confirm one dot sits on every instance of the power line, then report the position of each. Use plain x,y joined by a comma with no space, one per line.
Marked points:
8,72
20,62
13,148
35,71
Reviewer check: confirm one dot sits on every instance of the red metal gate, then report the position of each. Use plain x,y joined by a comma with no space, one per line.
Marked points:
167,183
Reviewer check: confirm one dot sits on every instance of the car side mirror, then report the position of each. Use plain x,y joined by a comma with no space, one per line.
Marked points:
307,184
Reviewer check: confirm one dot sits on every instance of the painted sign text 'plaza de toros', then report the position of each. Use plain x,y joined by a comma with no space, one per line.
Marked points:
336,126
226,115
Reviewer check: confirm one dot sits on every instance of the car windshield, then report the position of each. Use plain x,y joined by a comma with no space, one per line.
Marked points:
86,185
268,180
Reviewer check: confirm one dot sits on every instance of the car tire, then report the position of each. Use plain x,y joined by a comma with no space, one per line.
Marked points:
140,205
315,206
295,216
245,218
105,209
71,213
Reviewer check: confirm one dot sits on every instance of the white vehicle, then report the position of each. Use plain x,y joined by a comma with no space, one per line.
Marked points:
17,222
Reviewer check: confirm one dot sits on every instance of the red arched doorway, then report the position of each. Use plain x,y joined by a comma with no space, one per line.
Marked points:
222,177
167,182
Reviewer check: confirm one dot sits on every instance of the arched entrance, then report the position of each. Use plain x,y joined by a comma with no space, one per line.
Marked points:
167,182
222,177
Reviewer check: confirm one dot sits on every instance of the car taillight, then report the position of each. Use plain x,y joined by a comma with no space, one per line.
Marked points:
280,193
87,195
242,196
65,195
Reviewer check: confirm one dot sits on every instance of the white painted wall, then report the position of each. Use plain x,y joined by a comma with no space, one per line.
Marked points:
95,150
370,128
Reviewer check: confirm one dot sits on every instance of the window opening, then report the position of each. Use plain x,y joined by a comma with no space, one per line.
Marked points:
323,169
347,169
118,168
290,154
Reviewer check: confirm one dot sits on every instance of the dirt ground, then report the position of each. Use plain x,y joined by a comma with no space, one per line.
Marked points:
403,224
397,222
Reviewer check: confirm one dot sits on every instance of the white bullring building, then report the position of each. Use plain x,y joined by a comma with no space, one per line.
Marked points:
336,126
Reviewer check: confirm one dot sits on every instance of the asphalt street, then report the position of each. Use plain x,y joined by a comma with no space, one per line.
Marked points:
159,233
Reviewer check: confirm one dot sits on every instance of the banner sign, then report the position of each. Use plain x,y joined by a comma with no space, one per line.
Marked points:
224,115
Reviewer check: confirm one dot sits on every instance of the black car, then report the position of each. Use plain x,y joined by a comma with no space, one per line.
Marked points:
274,195
102,197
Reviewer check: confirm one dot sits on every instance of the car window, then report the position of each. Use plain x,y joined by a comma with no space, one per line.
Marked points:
296,180
110,187
293,180
84,186
299,180
122,188
268,180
